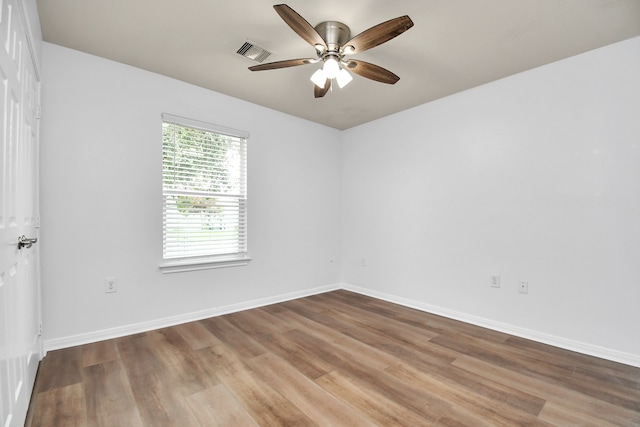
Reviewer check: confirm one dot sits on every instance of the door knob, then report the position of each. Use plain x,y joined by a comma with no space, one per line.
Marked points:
24,242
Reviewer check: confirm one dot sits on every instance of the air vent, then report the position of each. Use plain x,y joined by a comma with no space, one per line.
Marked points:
253,52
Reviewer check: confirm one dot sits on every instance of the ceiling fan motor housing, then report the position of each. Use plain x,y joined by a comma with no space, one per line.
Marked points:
334,33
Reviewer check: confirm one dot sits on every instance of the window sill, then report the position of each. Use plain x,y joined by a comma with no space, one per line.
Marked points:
194,264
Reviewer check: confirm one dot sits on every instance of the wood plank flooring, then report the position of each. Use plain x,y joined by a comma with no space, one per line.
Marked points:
335,359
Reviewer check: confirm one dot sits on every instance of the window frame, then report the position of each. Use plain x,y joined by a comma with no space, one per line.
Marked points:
201,262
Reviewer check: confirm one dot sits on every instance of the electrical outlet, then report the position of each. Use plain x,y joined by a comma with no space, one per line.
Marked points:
524,287
363,262
495,280
110,285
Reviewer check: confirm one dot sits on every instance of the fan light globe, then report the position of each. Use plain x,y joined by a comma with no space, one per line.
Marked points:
343,78
331,68
319,78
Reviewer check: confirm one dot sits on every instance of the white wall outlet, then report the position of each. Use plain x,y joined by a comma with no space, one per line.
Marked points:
524,287
495,280
363,262
110,285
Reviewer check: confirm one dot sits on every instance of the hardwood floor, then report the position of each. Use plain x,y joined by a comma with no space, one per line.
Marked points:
336,359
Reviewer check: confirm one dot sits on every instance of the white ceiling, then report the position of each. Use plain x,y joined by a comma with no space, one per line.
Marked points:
454,45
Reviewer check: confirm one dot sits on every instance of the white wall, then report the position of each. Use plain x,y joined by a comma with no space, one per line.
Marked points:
101,200
535,177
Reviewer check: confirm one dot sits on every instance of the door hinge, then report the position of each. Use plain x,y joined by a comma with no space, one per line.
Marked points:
38,221
39,329
38,111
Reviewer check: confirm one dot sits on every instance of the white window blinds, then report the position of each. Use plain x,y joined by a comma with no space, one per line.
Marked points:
204,186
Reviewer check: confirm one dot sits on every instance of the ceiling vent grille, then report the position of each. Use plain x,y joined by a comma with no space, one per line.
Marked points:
253,52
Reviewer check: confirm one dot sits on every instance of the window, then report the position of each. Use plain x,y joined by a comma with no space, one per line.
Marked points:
204,189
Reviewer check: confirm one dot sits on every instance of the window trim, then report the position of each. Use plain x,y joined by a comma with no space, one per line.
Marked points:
210,127
178,265
175,265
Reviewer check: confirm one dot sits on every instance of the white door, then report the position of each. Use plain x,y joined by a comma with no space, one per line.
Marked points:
20,341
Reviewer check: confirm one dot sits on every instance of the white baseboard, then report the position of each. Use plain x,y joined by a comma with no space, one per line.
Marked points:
565,343
121,331
568,344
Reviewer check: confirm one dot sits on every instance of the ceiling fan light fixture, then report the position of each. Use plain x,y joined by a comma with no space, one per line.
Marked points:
332,41
331,67
319,78
343,78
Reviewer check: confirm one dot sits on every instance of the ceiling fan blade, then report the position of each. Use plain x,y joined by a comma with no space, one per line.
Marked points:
300,25
372,71
320,92
377,35
283,64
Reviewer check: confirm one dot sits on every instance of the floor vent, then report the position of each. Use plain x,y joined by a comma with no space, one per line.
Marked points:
253,52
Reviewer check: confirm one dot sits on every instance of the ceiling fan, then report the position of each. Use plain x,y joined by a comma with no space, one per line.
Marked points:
333,43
